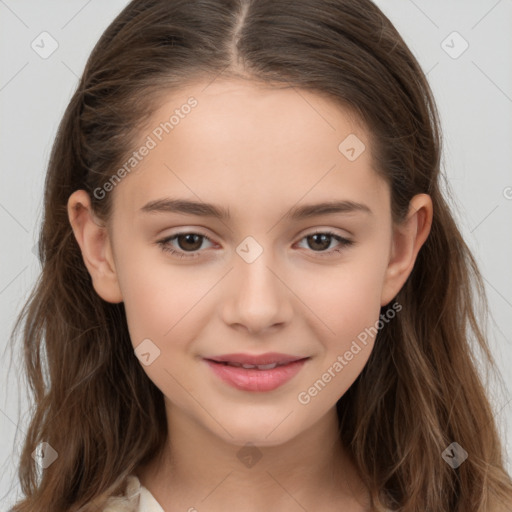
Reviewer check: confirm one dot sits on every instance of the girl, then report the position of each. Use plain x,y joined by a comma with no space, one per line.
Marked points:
311,349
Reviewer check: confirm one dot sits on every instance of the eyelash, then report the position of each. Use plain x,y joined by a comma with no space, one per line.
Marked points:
164,244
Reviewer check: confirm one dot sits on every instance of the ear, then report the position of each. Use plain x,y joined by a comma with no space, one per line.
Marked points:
93,239
407,239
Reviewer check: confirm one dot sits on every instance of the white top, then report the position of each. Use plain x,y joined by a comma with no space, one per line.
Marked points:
135,499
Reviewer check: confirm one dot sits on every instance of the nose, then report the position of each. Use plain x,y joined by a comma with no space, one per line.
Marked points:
257,298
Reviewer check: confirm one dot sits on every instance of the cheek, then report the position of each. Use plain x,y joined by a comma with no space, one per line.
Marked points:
164,311
160,298
346,300
351,313
346,297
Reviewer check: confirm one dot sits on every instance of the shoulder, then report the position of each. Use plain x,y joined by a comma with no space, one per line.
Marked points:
130,499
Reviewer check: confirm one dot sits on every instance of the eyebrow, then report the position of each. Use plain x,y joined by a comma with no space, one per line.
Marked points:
188,207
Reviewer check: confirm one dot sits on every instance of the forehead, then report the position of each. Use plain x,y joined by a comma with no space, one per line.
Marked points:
251,147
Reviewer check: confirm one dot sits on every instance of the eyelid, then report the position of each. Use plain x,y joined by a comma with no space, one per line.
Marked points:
343,233
306,232
343,242
174,236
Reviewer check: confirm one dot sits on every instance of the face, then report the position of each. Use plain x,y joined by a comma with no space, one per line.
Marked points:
270,276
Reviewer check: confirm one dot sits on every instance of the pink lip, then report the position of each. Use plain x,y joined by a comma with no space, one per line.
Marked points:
267,358
248,379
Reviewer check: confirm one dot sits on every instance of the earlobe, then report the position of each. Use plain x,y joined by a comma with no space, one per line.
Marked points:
95,245
407,241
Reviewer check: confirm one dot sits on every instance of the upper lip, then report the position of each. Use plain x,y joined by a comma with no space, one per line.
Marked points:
261,359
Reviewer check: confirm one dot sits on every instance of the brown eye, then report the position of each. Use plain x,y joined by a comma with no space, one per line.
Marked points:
185,243
319,241
189,241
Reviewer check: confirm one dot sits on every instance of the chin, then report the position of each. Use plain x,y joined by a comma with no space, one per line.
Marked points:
268,431
258,439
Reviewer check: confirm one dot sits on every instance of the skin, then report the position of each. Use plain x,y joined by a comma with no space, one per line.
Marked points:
259,151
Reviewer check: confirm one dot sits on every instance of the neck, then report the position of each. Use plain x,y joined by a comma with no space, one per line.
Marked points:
198,468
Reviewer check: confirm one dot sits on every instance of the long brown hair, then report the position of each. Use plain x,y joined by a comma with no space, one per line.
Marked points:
420,390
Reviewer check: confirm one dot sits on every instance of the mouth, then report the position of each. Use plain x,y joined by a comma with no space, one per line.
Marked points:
256,373
248,366
261,361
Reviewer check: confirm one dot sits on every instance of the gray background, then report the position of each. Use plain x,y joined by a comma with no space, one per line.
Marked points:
473,91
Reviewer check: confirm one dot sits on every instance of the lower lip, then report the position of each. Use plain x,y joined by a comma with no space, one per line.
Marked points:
254,379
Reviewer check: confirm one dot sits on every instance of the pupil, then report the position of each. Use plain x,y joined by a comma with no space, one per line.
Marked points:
190,239
325,241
